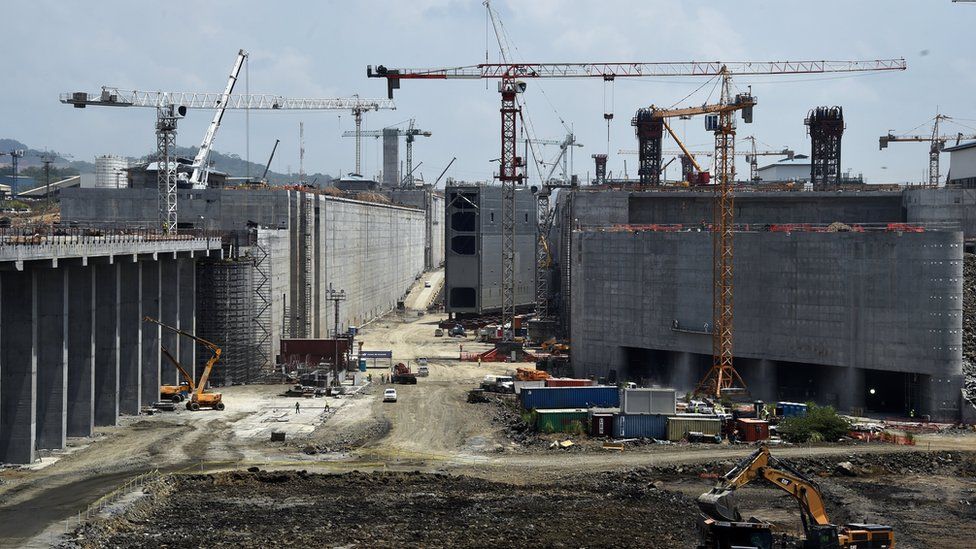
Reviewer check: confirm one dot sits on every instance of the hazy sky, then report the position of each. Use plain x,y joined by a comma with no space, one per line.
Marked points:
321,49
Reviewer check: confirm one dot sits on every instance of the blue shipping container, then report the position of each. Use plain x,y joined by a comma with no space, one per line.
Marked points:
569,397
640,426
791,409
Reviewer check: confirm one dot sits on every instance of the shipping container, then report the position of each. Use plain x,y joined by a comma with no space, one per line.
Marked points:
519,385
569,397
680,426
561,420
752,430
568,382
601,425
790,409
649,401
640,426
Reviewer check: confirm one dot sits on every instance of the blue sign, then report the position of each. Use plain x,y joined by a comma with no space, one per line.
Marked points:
375,354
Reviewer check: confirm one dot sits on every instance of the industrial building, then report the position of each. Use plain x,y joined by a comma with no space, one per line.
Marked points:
473,243
787,169
962,158
822,314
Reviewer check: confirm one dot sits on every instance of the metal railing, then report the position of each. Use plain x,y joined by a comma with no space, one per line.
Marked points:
60,235
95,508
778,227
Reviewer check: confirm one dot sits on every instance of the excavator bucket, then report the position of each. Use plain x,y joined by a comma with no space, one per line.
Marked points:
719,504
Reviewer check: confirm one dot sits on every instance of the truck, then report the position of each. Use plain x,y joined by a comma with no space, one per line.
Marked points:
498,384
401,374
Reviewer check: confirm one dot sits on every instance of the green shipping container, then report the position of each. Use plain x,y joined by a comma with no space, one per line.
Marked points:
561,420
680,426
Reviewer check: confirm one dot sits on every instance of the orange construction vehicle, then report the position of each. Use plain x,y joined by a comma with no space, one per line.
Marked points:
199,396
525,374
176,393
724,528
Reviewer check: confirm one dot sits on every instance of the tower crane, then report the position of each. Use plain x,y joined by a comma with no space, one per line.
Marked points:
512,78
411,133
15,156
565,148
357,115
936,142
172,106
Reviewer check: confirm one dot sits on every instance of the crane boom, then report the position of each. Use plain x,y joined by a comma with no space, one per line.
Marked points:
212,347
114,97
201,170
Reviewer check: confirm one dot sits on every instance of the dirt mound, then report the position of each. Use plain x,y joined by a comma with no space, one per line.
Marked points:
406,510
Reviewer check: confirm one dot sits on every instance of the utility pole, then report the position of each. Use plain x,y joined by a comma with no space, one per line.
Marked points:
47,161
336,297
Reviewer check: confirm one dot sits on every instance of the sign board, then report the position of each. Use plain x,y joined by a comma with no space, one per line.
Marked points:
375,354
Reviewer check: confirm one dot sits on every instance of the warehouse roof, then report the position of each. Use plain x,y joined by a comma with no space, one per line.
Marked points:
960,147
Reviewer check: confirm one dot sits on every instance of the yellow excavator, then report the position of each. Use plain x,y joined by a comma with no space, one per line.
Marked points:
723,527
199,397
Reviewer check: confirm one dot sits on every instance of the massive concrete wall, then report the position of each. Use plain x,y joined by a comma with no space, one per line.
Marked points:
945,205
884,301
473,244
74,351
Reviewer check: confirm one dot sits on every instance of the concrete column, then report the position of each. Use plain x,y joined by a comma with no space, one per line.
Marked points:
169,314
760,378
130,358
187,279
106,330
50,315
149,332
849,387
81,351
18,369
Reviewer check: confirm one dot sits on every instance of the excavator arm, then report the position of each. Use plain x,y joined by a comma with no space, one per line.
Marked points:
718,503
186,375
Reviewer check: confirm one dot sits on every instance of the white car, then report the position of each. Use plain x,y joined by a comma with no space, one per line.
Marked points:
426,284
389,395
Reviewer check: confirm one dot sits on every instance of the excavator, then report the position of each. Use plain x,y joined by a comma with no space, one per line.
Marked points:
199,397
724,528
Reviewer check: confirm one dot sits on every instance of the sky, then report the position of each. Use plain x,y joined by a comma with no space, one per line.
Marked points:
321,49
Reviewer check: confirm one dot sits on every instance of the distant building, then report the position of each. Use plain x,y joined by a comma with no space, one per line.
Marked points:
356,183
962,165
144,176
787,169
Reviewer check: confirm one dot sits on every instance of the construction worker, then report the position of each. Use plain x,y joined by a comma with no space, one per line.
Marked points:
298,407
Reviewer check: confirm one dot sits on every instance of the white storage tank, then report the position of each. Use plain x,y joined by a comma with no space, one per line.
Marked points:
110,171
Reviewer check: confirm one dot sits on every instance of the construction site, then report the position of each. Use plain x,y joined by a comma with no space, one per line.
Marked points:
727,344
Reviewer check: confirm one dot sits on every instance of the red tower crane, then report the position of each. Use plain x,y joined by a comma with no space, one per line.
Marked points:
512,76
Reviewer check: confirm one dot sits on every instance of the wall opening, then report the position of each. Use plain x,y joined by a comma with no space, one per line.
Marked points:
463,297
464,221
891,392
463,245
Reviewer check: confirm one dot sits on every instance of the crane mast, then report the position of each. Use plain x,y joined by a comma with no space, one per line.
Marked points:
201,166
936,142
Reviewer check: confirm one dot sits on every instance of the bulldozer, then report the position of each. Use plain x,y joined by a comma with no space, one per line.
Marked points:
199,397
723,527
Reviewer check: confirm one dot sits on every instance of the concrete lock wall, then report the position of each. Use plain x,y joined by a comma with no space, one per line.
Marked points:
840,308
74,351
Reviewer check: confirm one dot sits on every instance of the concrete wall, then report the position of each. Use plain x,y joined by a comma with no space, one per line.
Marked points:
882,301
944,205
74,351
481,270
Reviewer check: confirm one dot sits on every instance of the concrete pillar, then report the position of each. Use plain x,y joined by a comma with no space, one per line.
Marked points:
130,358
169,314
81,351
187,279
50,314
760,378
849,387
106,330
18,369
149,332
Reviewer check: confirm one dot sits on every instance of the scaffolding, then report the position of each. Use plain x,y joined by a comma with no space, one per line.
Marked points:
225,315
263,340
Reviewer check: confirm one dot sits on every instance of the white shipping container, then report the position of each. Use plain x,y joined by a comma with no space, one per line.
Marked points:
649,401
519,385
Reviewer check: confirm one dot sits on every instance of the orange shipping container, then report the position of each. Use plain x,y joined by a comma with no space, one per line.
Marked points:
752,430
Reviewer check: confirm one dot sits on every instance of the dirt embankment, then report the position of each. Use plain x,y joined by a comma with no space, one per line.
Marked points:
927,497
